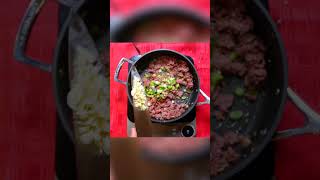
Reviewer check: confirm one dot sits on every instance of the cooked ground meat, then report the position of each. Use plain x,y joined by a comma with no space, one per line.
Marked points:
224,102
237,44
225,150
238,51
168,83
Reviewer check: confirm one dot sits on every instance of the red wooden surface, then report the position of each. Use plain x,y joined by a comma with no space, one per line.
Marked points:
125,7
299,158
27,123
200,52
27,109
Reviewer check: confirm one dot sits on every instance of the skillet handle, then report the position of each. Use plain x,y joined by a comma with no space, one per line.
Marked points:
207,98
23,35
116,74
312,122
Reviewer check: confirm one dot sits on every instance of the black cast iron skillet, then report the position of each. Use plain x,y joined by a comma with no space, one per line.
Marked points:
142,63
122,28
94,13
265,113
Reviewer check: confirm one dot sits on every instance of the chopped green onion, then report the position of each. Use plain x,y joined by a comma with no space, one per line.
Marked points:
147,75
171,81
235,115
163,69
239,91
233,56
162,88
217,77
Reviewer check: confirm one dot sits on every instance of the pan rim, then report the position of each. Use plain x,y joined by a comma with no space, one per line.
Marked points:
55,72
61,112
197,90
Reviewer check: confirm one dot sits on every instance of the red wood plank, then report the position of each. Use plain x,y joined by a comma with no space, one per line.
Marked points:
298,158
27,109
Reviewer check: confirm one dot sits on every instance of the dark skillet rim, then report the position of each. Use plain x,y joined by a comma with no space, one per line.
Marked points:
197,92
244,163
65,121
145,13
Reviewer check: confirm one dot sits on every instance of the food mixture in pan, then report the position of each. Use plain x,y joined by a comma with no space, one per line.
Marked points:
168,84
88,96
238,54
224,153
88,99
138,94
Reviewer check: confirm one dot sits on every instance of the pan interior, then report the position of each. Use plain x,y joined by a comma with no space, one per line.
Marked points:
143,63
263,115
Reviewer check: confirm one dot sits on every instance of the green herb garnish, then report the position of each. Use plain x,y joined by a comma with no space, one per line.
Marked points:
239,91
235,115
216,78
147,75
184,97
233,56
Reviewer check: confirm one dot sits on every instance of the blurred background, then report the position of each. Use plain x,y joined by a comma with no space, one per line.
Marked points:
160,21
160,158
